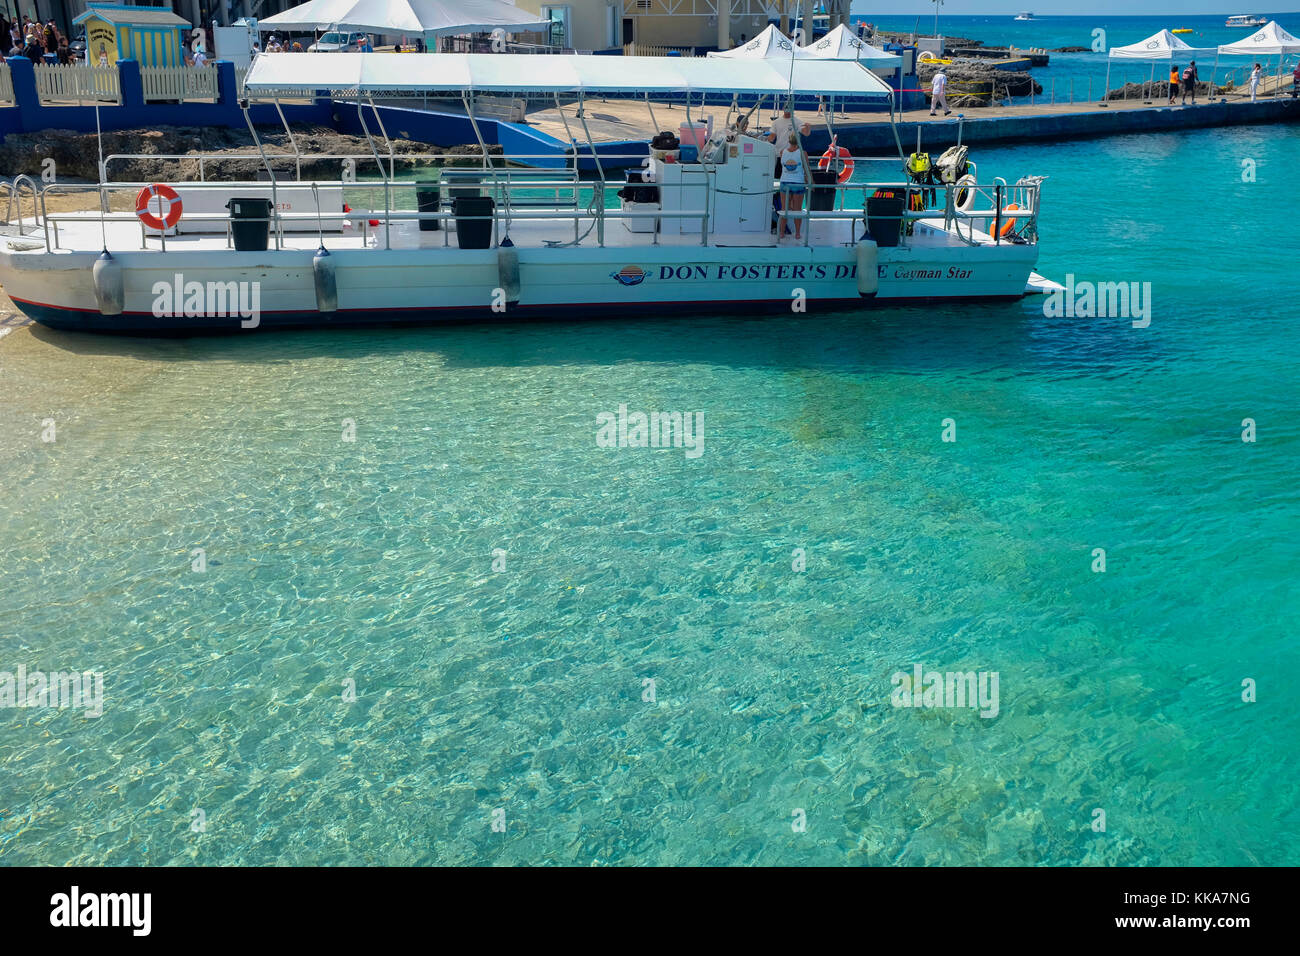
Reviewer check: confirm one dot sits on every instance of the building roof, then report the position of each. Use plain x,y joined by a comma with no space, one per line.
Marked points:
133,16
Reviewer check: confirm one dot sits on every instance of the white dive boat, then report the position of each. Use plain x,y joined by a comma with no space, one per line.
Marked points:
499,242
1245,20
1025,16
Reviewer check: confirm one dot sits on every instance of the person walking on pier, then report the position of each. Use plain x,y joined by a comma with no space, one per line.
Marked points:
1173,83
1254,81
939,92
1189,82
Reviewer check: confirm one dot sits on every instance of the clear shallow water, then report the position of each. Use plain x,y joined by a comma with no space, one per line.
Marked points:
522,689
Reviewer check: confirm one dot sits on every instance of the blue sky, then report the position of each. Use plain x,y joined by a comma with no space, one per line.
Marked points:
1041,8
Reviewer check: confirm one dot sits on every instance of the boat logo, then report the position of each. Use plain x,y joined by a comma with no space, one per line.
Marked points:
629,275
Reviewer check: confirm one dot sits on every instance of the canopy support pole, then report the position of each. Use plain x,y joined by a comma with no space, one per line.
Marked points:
1210,95
598,194
388,195
270,172
392,162
297,157
653,122
1105,90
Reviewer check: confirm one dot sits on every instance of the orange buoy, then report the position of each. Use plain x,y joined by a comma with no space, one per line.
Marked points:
162,192
1007,224
840,155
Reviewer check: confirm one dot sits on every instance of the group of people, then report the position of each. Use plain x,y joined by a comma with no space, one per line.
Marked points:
32,39
1186,82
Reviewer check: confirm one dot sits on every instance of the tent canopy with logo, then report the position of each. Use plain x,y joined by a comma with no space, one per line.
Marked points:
1159,46
768,45
1269,40
842,44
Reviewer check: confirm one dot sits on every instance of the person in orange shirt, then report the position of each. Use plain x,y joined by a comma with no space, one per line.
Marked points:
1173,82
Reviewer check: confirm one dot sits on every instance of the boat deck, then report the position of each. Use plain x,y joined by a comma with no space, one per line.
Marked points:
74,232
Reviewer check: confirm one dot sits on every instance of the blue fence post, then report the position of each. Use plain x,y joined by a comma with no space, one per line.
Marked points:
227,91
129,82
27,102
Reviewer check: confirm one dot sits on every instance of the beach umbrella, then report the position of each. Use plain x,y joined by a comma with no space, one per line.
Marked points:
1159,46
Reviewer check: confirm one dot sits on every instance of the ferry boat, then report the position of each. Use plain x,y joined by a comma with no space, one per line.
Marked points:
500,242
1245,20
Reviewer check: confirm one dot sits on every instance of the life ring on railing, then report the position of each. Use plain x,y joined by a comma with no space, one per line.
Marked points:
1007,224
841,156
163,192
965,198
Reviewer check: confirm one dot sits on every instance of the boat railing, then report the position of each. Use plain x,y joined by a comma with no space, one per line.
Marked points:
556,195
14,199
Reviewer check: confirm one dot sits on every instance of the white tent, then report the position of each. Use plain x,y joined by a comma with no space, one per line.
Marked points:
768,45
842,44
518,72
1159,46
429,18
1268,40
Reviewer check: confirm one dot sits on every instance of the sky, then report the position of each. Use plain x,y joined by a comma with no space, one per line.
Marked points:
1043,8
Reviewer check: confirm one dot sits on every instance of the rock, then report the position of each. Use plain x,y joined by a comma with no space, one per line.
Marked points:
973,83
1072,49
1159,90
76,155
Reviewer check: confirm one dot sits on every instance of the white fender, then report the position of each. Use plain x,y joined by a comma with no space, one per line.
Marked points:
967,182
868,276
508,271
110,289
327,288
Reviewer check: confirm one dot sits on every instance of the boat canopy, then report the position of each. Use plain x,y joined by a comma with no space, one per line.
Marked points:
519,73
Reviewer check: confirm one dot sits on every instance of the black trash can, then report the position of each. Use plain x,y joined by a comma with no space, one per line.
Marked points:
822,196
474,221
885,219
428,198
250,223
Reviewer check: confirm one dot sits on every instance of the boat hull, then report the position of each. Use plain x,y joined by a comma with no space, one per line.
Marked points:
277,289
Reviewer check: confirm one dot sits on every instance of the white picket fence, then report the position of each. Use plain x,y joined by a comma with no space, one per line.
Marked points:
650,49
56,83
182,83
6,84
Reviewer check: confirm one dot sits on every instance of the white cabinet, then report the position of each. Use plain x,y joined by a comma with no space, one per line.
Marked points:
683,187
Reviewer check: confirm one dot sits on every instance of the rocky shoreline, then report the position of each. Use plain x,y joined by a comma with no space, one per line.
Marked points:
76,155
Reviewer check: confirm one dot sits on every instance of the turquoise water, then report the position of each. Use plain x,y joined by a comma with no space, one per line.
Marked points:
521,689
1084,75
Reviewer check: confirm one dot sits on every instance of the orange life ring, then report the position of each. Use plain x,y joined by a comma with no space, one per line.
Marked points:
837,153
1007,224
160,191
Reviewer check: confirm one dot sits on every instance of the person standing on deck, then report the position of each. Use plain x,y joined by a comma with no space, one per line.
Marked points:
1173,83
793,186
1189,82
1254,81
939,92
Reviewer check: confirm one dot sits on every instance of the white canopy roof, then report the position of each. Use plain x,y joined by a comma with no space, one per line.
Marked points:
1159,46
842,44
770,44
407,17
1270,39
517,72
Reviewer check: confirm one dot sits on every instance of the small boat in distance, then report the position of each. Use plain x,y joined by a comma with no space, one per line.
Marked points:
1026,16
1181,30
1245,20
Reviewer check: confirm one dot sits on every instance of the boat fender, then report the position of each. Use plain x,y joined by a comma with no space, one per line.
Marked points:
110,289
508,272
868,274
327,288
965,197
